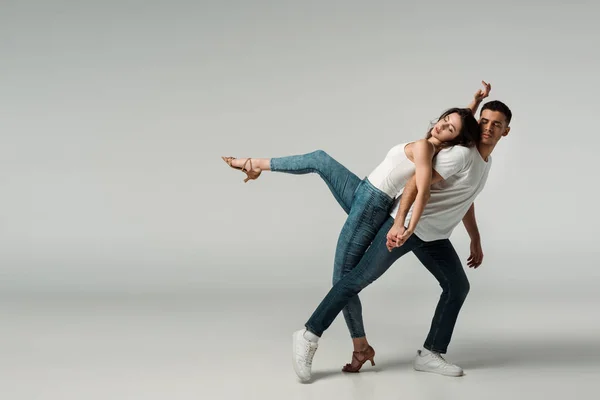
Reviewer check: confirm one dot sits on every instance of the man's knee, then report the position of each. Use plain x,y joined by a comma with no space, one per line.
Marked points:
462,289
458,289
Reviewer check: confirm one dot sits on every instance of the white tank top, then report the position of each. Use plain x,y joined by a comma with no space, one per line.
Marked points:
394,172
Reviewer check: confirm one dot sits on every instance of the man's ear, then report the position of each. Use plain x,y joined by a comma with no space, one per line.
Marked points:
506,132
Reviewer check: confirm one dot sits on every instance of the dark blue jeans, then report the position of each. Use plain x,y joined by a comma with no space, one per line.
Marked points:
367,208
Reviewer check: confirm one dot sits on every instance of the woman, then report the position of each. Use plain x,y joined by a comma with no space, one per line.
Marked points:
368,202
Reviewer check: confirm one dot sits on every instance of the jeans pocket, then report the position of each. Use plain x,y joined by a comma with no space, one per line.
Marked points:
379,213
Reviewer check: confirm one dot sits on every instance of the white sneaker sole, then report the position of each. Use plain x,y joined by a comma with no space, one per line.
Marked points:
438,371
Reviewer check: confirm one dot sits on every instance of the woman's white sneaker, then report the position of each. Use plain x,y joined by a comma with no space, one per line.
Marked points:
431,361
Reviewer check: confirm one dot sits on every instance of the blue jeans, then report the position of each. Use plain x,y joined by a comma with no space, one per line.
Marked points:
367,208
438,256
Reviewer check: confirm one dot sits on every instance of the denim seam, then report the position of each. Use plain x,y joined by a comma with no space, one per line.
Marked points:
360,220
318,316
348,315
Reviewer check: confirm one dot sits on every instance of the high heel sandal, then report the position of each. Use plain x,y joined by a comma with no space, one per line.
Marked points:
366,355
251,173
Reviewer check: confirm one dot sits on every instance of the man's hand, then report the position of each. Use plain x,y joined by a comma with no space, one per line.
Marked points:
482,94
476,257
396,236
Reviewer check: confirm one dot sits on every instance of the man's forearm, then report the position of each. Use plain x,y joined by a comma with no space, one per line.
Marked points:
470,223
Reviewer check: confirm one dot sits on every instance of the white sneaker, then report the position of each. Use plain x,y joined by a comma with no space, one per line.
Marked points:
303,353
430,361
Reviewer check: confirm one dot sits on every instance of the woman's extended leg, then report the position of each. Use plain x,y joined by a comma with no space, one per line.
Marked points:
341,181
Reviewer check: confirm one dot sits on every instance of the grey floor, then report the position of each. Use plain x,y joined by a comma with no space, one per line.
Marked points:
236,344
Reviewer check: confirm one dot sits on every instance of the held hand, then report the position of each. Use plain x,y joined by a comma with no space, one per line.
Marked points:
476,257
393,236
483,93
390,245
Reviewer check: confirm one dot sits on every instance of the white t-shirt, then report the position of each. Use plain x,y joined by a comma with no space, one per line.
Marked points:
392,174
465,174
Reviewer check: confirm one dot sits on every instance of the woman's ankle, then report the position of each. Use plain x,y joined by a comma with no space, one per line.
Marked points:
263,164
360,344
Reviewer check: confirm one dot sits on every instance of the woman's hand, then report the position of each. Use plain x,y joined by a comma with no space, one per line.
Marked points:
482,94
397,236
393,236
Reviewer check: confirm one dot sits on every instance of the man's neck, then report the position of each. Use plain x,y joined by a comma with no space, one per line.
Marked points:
485,150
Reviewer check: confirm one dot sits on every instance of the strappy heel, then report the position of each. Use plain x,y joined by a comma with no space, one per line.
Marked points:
250,173
357,363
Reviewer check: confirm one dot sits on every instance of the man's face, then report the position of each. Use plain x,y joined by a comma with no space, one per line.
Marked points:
493,127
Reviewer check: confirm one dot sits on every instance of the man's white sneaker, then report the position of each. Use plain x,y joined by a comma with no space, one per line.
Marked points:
430,361
303,353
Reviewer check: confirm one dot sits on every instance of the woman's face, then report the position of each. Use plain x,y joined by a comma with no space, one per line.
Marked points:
447,128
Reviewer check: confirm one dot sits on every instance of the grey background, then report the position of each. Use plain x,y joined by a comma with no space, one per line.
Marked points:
134,264
114,116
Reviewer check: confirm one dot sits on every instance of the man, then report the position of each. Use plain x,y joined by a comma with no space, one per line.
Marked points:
459,176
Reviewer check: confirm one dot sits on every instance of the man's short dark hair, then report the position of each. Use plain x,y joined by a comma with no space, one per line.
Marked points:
499,106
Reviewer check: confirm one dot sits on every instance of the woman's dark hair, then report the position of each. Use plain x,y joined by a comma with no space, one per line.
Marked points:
469,133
